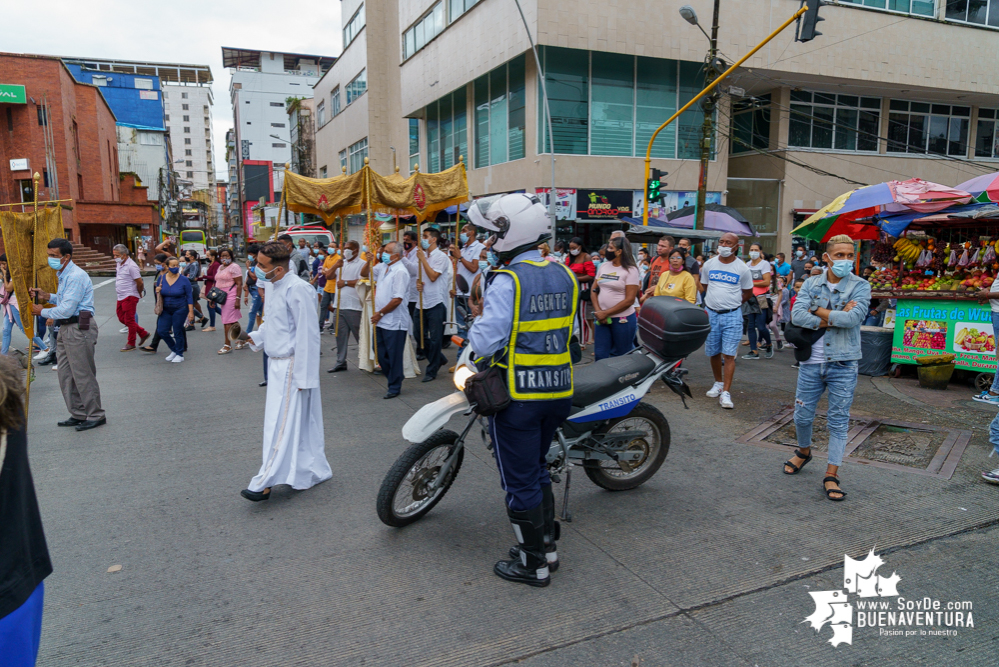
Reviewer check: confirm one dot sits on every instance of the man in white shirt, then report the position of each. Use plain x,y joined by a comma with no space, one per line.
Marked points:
466,254
391,317
347,305
410,244
293,451
436,289
726,282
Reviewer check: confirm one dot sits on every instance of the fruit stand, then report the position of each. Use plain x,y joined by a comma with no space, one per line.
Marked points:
935,279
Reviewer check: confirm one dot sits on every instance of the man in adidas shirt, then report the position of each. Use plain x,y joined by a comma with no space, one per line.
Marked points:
726,282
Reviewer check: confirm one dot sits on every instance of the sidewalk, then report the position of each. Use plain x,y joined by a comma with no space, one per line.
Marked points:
703,565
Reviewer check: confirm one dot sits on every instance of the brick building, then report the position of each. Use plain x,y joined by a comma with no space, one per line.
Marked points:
65,131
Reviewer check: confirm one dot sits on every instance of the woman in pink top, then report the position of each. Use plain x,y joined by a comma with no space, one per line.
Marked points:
229,279
616,287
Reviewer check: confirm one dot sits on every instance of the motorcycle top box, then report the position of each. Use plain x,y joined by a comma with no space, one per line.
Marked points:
671,327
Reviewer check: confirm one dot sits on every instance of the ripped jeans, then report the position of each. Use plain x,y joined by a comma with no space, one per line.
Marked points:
840,378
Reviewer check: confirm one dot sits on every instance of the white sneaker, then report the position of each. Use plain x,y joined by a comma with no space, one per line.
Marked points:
177,359
124,330
55,367
716,390
992,476
170,357
41,355
726,400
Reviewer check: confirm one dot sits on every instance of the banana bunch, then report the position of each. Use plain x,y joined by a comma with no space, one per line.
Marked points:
907,250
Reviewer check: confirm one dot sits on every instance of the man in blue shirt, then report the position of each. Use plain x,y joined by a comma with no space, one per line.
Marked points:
780,266
73,312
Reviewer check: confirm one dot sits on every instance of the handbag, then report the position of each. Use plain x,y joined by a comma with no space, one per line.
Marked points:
158,308
217,296
802,339
487,391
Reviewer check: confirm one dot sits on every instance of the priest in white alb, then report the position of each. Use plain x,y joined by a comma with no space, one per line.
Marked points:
293,415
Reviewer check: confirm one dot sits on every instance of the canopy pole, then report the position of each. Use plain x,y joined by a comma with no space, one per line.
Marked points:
34,283
366,200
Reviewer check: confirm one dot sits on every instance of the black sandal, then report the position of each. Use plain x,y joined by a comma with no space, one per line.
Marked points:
795,468
829,492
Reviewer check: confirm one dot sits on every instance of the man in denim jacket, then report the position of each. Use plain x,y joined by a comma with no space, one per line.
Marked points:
836,303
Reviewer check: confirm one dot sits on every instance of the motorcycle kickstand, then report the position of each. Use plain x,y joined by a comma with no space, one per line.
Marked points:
566,515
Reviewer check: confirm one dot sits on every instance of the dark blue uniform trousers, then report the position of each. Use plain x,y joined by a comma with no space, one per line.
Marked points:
391,344
522,435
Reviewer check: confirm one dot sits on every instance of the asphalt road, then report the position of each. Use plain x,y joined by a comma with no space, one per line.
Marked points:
709,563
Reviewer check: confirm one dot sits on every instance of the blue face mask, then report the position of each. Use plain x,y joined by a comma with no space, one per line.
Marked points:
464,238
55,263
483,265
597,263
425,244
364,248
492,258
183,264
159,267
174,269
842,267
386,258
259,273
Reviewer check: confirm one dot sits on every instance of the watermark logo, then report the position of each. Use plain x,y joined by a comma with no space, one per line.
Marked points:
864,591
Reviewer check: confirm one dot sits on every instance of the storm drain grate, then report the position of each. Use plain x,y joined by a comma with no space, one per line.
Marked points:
883,443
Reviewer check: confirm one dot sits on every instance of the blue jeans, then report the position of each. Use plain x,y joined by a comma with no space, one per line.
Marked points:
8,327
173,319
758,323
256,308
840,378
615,339
994,434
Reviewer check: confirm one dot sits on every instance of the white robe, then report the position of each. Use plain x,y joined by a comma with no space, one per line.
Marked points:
293,415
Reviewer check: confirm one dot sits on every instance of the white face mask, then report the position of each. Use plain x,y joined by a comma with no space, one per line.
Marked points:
754,254
574,252
724,251
348,254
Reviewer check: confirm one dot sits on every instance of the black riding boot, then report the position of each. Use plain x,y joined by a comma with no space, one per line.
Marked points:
553,529
531,567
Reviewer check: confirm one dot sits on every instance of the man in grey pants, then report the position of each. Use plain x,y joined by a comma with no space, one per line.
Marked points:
73,311
347,271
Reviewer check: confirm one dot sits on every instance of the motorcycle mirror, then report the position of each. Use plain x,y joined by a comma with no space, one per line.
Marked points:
462,284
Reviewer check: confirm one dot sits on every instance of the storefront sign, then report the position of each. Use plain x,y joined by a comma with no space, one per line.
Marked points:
964,328
12,94
603,204
565,202
21,164
673,200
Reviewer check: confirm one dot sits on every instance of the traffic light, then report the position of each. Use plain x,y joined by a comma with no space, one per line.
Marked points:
655,185
808,21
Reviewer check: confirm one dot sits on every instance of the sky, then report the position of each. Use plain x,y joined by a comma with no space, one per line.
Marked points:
178,31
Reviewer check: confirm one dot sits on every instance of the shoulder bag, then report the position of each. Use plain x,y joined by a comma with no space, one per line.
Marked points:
487,391
217,296
158,308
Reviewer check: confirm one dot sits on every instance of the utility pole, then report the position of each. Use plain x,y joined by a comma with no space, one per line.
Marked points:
707,129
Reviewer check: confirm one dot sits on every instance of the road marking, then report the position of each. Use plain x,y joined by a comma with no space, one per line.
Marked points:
109,280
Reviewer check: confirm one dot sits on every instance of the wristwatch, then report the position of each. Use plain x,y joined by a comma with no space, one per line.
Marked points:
814,307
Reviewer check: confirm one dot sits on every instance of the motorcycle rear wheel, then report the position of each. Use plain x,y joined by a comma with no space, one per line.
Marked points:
404,496
615,476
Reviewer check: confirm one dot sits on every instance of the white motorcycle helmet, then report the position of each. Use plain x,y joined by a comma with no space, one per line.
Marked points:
517,222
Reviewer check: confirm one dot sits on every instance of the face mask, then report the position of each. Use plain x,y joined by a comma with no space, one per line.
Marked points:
364,248
724,251
492,258
174,269
483,265
597,263
842,267
348,254
386,258
118,260
800,254
225,261
159,267
425,244
55,264
407,246
259,273
754,254
574,252
182,265
464,238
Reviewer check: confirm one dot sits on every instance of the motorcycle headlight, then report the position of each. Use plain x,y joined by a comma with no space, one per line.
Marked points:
461,375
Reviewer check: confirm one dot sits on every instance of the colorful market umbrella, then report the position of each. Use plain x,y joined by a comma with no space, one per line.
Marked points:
717,218
851,213
983,188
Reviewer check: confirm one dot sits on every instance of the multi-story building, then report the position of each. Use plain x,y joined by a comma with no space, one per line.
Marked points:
882,94
65,131
261,85
302,134
188,109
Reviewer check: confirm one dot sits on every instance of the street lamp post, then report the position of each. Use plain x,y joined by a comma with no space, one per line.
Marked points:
708,104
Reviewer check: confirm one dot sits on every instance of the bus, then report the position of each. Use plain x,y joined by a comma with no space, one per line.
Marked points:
193,239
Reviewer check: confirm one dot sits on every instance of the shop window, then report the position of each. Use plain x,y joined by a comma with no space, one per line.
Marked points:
750,124
987,134
840,122
922,127
447,132
981,12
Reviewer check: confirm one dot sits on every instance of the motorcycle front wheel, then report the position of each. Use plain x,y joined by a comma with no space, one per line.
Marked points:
405,494
653,447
